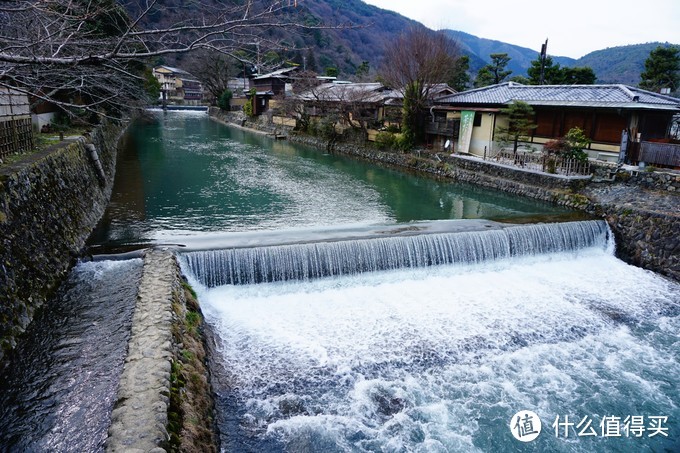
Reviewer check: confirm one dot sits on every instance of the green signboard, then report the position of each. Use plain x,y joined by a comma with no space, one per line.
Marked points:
467,119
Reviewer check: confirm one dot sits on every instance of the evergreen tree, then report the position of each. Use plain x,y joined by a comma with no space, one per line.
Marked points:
662,69
495,72
362,70
460,79
582,75
553,74
520,124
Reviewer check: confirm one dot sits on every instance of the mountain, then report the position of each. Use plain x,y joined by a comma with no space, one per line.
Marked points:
372,28
621,64
479,50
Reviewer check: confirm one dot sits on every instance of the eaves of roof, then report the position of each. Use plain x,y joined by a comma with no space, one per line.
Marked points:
611,105
595,96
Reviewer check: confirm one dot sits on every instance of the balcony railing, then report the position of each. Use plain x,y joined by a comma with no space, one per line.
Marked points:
448,129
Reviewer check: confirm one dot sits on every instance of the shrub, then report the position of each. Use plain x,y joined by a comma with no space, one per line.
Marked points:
224,102
326,128
385,140
248,108
568,147
404,142
576,140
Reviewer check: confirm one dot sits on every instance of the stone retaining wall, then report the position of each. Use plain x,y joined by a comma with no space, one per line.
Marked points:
49,203
647,239
657,180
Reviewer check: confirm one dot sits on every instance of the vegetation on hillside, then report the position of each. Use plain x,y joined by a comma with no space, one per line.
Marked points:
622,64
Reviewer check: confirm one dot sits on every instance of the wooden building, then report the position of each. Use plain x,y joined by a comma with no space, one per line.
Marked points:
619,119
274,82
179,86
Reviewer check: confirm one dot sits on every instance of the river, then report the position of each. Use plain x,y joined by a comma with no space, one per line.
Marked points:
444,350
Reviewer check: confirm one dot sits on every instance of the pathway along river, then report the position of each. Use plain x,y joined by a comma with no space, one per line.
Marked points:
412,359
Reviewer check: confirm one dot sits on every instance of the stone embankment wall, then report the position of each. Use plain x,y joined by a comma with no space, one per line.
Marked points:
645,223
164,400
49,204
262,123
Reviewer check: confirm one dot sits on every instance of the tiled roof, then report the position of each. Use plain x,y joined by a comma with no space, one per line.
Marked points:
278,73
616,96
356,92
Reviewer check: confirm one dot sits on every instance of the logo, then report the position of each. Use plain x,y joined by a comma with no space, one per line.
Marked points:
525,426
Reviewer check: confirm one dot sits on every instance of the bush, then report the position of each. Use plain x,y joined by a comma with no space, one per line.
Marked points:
555,147
326,128
248,108
224,102
576,140
385,140
570,146
404,142
312,127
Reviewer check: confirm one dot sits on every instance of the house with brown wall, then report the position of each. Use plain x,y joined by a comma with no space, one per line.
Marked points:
621,121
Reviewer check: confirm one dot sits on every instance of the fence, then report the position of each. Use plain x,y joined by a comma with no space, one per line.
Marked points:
16,130
667,154
541,162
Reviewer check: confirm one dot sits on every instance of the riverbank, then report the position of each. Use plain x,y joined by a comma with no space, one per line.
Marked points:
641,208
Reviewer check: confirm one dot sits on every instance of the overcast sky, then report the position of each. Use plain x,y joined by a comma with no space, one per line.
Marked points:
573,28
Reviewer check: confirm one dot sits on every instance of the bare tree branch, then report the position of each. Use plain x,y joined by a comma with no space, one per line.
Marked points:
47,45
415,63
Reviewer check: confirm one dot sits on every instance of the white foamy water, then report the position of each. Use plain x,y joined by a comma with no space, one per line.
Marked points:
439,359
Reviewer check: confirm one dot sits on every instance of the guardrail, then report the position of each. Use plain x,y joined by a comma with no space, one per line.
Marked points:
541,162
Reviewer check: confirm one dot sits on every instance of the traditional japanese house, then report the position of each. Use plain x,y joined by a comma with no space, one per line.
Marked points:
623,122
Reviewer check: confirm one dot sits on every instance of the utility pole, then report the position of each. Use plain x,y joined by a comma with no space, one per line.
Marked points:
544,54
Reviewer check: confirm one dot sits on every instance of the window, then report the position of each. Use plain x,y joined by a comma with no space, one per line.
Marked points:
478,120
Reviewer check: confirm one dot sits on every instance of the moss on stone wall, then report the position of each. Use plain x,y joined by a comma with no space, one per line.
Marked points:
50,201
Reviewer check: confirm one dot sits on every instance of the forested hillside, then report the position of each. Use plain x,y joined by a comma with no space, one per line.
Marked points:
362,31
619,64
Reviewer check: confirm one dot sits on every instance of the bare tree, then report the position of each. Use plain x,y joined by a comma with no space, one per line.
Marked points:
214,70
88,54
352,105
294,106
414,63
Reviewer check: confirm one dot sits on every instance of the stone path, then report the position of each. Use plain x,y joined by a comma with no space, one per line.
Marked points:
140,417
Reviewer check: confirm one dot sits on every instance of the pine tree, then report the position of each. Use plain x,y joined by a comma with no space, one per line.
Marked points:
495,72
662,69
520,124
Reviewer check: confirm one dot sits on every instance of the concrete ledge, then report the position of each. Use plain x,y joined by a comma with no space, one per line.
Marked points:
140,418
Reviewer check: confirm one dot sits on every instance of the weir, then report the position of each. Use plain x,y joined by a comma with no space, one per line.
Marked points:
410,247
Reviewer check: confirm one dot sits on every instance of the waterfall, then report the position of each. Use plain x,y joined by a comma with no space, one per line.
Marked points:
306,261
